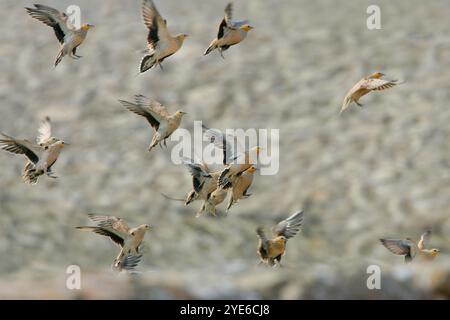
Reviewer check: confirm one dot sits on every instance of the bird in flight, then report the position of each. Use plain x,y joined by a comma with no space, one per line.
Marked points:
374,82
128,239
272,250
68,36
157,115
160,43
230,33
41,156
240,185
409,248
236,158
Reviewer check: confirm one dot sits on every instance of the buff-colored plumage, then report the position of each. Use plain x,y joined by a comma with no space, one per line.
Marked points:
272,250
68,36
364,86
409,248
157,115
128,239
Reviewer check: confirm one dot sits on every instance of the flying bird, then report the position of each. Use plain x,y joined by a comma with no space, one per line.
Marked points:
41,156
240,185
160,43
68,36
128,239
366,85
128,265
272,250
408,247
157,115
212,201
236,158
230,33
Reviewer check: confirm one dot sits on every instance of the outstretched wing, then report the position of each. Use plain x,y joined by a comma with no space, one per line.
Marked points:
17,146
226,21
142,111
115,236
199,174
263,242
398,246
112,222
53,18
229,144
290,226
130,263
156,25
44,131
378,84
424,240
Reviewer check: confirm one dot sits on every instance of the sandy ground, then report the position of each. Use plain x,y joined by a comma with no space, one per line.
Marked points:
380,171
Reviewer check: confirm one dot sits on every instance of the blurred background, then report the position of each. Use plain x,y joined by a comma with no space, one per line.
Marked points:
380,171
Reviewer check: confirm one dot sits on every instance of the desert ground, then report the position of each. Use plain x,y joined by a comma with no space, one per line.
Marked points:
378,171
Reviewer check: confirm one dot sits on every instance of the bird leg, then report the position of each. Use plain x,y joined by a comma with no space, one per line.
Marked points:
160,65
165,144
221,53
359,104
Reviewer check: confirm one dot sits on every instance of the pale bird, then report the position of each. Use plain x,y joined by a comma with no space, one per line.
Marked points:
128,239
160,43
68,36
272,250
366,85
240,185
236,158
230,33
213,200
157,115
41,156
408,247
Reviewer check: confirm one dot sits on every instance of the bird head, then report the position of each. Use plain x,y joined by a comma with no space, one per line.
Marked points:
182,37
61,144
377,75
87,26
246,27
258,150
434,252
252,169
180,113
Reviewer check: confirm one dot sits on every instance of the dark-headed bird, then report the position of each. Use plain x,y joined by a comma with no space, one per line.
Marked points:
68,36
272,250
230,33
160,43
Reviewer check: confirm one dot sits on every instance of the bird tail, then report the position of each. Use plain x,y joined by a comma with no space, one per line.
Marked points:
192,196
59,57
30,174
147,62
345,105
211,48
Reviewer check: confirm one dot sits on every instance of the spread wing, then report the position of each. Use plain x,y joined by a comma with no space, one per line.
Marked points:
398,246
25,147
142,111
115,236
424,240
156,25
290,226
229,144
112,222
130,262
264,242
156,109
53,18
44,131
226,21
199,175
378,84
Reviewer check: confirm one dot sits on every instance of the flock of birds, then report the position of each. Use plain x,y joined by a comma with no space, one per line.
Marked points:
211,187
